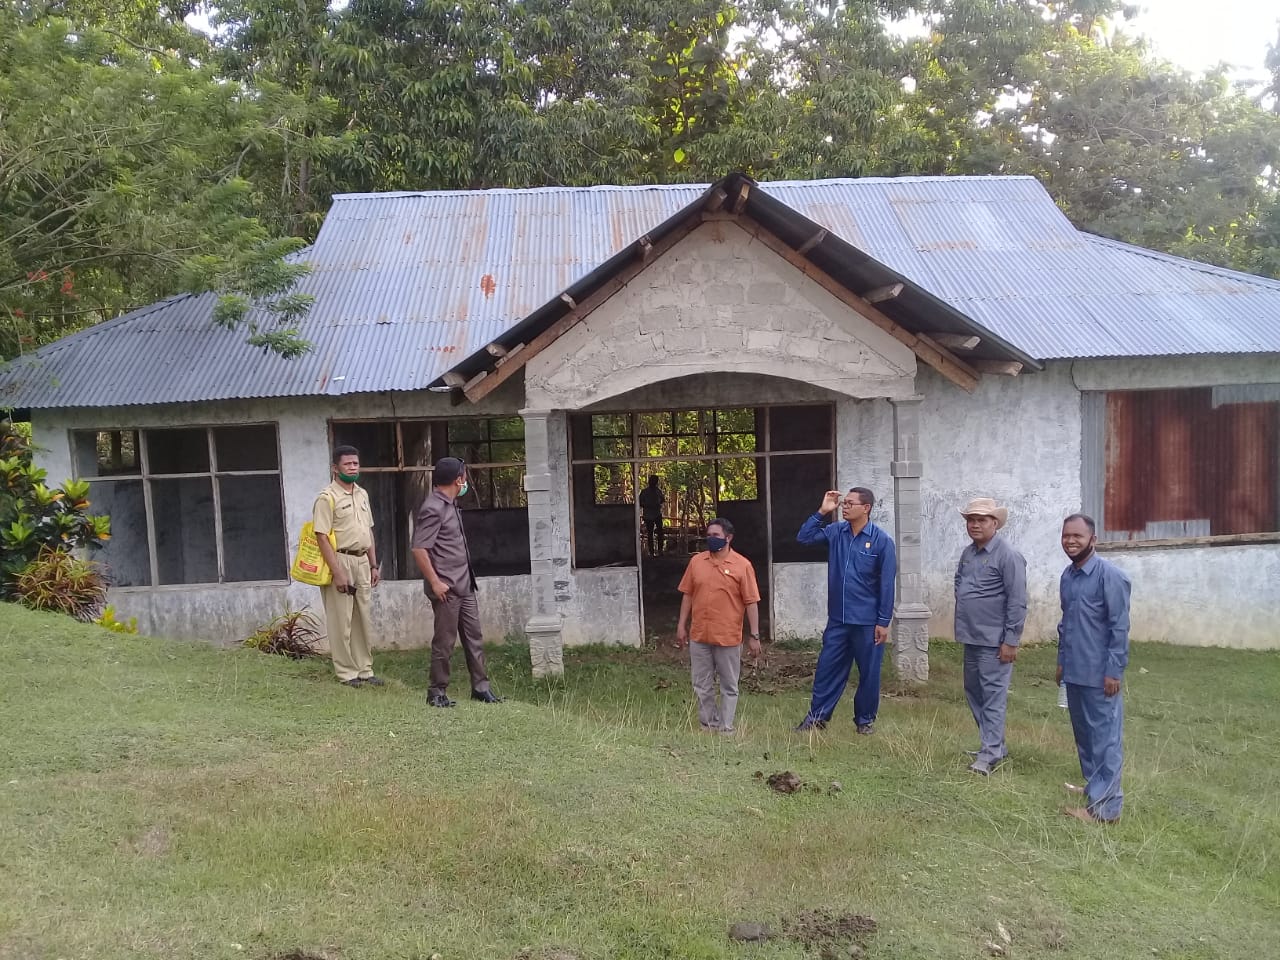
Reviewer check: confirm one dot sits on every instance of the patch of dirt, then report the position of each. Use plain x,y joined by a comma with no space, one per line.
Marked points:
153,843
831,935
20,949
778,671
784,782
546,953
748,931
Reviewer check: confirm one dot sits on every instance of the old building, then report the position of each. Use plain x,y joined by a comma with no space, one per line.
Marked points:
749,344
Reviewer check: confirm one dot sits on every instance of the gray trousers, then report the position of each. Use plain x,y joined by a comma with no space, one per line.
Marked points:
456,617
986,687
706,663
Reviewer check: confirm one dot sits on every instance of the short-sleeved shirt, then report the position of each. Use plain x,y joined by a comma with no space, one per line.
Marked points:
991,594
721,587
437,529
346,514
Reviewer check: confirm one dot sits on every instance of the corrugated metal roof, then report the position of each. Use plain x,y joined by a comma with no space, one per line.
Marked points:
408,284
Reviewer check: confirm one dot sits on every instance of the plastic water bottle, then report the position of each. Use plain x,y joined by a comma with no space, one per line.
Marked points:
1062,695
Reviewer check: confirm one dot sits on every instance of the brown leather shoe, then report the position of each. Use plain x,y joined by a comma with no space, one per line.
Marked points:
1083,814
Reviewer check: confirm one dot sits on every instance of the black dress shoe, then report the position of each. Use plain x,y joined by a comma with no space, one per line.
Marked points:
373,681
440,700
486,697
353,682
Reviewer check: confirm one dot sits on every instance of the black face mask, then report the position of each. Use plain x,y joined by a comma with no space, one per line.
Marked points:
716,544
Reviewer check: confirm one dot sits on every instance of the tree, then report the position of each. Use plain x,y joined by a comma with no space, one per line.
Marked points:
119,186
1137,150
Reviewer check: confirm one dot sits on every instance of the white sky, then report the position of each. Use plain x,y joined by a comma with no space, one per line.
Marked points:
1196,34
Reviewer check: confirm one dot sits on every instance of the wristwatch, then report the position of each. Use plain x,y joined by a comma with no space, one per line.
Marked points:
754,636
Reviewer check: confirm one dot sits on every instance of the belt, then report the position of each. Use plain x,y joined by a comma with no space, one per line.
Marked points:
354,553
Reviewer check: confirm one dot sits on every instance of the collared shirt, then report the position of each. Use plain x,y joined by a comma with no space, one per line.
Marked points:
346,514
860,570
651,501
1093,637
437,529
991,594
721,587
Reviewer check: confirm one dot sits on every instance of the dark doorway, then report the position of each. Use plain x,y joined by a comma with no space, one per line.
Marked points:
708,463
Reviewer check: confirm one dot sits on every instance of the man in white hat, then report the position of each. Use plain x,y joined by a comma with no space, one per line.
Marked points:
991,608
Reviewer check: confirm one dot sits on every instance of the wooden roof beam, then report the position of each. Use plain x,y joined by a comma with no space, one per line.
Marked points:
998,368
812,242
957,341
881,294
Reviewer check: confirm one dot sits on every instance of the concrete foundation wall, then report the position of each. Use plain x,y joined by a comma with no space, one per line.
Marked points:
225,613
800,600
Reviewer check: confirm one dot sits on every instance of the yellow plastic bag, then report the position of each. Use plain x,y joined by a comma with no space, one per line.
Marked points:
308,562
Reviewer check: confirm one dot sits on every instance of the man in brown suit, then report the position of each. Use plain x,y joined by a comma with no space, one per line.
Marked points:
440,550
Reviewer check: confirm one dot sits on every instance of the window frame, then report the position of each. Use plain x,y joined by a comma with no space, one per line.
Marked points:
635,464
1094,468
635,438
213,474
400,467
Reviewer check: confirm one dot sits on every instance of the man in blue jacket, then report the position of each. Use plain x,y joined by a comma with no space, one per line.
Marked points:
861,566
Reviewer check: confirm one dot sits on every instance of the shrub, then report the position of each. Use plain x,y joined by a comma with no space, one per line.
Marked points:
107,620
294,634
58,582
34,517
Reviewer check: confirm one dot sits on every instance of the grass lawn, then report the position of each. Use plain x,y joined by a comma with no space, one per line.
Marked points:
167,800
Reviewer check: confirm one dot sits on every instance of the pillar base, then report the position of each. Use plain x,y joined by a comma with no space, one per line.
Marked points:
911,643
546,645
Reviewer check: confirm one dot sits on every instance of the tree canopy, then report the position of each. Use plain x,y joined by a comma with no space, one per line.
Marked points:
140,157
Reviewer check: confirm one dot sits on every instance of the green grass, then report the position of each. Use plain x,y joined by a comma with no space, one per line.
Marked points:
167,800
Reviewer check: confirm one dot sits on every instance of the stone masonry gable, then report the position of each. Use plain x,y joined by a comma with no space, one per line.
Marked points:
718,301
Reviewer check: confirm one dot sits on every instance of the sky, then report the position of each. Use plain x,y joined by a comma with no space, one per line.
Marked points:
1196,34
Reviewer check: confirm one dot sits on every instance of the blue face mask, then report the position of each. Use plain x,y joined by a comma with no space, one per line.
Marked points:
716,544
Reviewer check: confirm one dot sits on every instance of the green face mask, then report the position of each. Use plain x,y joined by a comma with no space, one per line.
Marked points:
348,477
465,487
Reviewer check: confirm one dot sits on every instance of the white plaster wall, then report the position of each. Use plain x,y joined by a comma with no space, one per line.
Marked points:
1205,596
718,300
799,600
225,613
1019,440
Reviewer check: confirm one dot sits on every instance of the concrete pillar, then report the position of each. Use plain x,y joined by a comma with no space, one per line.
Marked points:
911,616
545,626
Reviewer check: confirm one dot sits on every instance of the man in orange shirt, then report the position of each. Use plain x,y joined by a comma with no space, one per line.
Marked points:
719,585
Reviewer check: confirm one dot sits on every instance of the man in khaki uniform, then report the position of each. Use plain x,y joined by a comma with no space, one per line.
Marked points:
342,508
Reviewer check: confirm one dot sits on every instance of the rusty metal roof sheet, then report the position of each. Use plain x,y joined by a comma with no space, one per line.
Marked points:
408,284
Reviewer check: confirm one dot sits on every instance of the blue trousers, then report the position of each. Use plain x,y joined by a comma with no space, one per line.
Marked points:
843,644
1098,724
986,687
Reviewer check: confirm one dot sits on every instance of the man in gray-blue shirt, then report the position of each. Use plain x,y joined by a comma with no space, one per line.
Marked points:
991,608
1093,651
